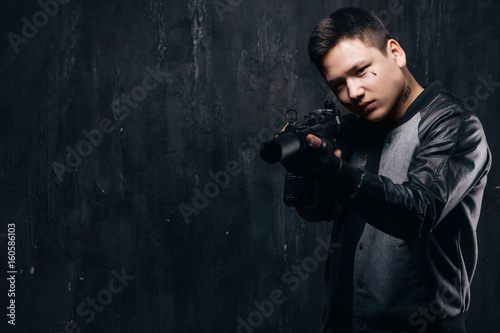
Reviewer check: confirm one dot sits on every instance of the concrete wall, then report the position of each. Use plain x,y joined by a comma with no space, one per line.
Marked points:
129,134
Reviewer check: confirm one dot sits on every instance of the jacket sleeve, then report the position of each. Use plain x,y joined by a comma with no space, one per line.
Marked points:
452,158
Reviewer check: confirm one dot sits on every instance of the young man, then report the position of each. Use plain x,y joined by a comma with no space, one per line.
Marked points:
410,191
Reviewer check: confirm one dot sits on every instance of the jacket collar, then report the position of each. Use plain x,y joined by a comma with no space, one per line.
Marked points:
425,98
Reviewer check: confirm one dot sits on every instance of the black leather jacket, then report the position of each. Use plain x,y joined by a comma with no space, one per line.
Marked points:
414,253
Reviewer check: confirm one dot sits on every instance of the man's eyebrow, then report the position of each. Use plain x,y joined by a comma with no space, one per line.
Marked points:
332,82
356,65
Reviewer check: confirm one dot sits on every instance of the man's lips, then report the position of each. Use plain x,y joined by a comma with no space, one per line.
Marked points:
368,106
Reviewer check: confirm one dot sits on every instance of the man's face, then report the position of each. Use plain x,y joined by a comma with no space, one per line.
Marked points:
366,81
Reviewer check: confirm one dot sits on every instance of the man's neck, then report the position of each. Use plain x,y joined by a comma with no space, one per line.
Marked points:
411,92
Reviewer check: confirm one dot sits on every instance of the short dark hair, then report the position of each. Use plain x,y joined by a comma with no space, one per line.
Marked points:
346,23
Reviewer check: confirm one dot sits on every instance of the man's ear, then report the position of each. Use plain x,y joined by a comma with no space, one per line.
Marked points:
395,51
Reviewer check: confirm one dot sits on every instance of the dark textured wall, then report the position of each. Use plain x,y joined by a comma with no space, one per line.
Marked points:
129,134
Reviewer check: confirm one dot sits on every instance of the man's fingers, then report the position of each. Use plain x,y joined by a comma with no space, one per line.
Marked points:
284,127
313,141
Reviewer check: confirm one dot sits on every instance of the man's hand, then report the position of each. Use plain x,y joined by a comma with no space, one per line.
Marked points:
315,142
336,175
325,162
320,159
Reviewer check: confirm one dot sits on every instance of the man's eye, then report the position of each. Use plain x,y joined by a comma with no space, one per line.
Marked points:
361,70
336,87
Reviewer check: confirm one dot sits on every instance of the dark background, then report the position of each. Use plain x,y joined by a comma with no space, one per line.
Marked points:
226,68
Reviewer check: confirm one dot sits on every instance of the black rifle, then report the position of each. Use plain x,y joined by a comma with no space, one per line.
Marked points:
326,123
291,142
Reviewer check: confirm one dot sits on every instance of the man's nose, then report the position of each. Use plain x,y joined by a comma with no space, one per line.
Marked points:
355,90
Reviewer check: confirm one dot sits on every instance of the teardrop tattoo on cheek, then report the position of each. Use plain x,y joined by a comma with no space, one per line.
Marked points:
373,72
